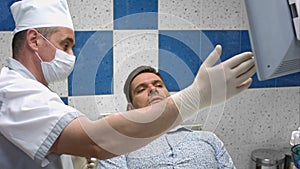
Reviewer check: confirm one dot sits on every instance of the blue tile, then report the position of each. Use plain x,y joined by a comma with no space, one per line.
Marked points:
93,71
187,49
182,48
288,80
65,100
135,14
104,77
169,80
81,37
6,19
233,42
284,81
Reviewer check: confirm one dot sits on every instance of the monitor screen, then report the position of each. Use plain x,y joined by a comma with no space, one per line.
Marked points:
273,37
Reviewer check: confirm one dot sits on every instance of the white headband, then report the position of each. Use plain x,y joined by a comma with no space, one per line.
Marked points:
41,13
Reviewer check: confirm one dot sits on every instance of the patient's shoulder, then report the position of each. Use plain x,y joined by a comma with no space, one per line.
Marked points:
205,135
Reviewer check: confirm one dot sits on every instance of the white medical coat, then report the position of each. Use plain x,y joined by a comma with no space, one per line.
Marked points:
31,119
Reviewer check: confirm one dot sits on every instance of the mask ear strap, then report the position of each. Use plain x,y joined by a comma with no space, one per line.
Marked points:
38,56
47,40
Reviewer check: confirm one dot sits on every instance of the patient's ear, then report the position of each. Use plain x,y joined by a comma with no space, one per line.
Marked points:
130,106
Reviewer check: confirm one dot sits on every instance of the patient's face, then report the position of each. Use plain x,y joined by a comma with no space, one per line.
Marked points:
146,89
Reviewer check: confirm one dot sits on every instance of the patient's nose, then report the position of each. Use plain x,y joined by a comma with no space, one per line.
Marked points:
153,90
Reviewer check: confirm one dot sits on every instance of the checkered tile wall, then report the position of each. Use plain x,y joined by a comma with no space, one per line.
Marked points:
115,36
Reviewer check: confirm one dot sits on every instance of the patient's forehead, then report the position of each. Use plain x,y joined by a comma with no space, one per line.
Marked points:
146,77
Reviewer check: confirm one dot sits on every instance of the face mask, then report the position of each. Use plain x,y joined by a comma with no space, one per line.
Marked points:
60,67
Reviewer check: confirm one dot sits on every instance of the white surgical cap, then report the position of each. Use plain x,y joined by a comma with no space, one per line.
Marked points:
41,13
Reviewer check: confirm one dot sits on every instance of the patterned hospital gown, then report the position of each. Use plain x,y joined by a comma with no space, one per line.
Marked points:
180,148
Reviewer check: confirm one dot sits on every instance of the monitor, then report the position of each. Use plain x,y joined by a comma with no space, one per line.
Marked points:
273,29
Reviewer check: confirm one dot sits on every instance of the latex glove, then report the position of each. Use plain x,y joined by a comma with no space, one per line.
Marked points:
84,163
214,83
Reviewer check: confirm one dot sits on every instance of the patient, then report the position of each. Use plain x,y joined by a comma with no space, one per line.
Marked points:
178,148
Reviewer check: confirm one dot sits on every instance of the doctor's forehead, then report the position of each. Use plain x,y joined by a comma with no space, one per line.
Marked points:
64,34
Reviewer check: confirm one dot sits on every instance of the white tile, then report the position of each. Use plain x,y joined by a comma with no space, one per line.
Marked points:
5,47
91,14
180,14
259,117
61,88
94,106
224,14
201,14
132,49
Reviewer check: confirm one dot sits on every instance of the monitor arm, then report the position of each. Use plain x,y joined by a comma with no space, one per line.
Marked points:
295,11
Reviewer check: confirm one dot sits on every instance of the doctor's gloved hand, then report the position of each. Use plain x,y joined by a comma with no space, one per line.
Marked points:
215,83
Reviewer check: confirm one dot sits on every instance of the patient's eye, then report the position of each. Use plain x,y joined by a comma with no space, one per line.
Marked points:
140,89
159,84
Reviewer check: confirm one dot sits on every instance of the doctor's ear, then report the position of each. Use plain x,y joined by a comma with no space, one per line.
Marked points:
32,38
130,106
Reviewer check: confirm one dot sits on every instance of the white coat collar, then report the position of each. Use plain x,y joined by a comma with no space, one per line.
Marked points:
21,69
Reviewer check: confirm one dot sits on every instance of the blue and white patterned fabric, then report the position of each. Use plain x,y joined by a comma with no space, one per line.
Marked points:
179,148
